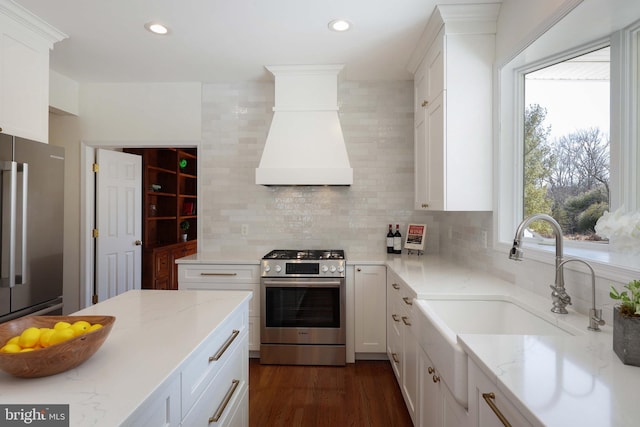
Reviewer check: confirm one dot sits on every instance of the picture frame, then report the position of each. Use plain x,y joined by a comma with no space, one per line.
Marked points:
415,236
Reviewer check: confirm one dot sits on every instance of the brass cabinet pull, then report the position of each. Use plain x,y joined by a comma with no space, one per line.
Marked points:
218,274
407,301
227,397
405,321
395,357
358,269
489,398
425,103
435,378
395,317
425,205
395,286
431,370
225,346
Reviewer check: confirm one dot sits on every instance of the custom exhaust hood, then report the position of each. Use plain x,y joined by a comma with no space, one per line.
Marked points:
305,145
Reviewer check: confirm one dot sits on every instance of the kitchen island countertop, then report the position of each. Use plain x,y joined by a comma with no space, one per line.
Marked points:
154,333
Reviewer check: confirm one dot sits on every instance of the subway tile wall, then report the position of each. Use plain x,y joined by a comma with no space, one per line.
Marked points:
377,122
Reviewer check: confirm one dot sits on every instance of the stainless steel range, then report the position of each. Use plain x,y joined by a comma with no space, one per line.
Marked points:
302,296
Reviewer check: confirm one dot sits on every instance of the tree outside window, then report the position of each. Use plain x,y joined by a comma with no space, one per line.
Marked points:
566,144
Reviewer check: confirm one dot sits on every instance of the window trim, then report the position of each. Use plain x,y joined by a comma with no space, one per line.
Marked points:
624,137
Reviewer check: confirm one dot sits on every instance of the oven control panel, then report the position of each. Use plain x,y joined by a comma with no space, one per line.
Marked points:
297,268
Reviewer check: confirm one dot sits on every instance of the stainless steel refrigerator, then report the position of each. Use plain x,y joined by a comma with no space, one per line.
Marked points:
31,204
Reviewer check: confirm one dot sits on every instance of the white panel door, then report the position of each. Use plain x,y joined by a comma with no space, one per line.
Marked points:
119,223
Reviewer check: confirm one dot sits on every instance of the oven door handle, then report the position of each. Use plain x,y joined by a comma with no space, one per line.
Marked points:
300,283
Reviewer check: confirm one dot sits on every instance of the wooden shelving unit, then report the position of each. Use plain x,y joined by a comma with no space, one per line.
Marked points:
170,183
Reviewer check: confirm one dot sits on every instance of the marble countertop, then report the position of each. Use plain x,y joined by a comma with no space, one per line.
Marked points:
154,332
552,380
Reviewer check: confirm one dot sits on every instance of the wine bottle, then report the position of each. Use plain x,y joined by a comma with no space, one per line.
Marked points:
397,241
390,240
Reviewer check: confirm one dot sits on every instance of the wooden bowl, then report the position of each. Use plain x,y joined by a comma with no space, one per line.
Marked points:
56,358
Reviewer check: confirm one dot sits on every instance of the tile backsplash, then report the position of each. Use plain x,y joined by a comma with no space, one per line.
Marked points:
377,123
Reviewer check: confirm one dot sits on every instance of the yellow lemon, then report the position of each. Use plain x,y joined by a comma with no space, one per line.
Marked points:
45,336
24,350
94,327
11,348
60,335
13,340
80,327
29,337
61,325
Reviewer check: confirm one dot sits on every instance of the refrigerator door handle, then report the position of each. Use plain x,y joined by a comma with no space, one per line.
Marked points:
8,261
21,241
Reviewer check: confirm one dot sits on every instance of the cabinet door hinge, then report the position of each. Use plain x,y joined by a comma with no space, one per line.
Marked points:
96,167
94,299
95,233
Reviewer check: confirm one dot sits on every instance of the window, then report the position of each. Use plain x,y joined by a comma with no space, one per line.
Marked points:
571,38
566,144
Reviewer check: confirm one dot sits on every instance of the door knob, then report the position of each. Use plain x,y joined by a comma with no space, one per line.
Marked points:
138,243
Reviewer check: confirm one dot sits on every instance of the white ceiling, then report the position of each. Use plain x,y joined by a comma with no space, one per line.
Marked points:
231,40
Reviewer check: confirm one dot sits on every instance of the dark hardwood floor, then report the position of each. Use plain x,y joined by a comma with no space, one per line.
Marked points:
364,393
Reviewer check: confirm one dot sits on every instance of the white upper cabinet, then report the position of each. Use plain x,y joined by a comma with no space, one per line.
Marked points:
452,68
25,41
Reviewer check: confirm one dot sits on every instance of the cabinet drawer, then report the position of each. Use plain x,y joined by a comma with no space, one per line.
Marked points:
218,273
221,395
212,355
254,303
161,263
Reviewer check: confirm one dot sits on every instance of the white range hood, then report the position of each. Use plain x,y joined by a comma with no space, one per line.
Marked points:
305,145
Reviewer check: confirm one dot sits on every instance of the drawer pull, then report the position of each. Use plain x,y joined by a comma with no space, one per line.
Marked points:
395,317
227,397
225,346
407,300
431,370
435,378
489,398
395,358
218,274
405,321
395,286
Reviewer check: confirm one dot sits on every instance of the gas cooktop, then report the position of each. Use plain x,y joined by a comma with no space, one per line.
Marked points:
307,254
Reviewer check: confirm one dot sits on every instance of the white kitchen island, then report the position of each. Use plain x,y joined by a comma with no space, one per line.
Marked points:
155,367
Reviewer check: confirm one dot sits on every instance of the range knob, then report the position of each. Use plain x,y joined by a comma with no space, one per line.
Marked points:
325,268
333,269
340,269
278,269
267,269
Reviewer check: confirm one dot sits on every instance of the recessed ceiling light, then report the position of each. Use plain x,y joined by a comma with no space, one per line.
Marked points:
339,25
156,28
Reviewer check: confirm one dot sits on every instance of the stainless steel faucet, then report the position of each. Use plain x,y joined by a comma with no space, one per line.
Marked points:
595,315
559,295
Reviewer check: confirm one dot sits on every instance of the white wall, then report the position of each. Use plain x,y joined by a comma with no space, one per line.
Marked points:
141,113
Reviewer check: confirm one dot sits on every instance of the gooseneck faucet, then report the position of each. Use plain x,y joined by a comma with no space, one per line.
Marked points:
559,295
595,315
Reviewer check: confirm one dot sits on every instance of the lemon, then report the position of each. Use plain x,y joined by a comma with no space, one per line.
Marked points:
60,335
80,327
45,336
61,325
13,340
29,337
24,350
94,327
11,348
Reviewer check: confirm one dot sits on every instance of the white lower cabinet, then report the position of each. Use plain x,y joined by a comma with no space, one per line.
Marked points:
402,345
220,401
370,301
488,407
210,388
227,277
437,406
